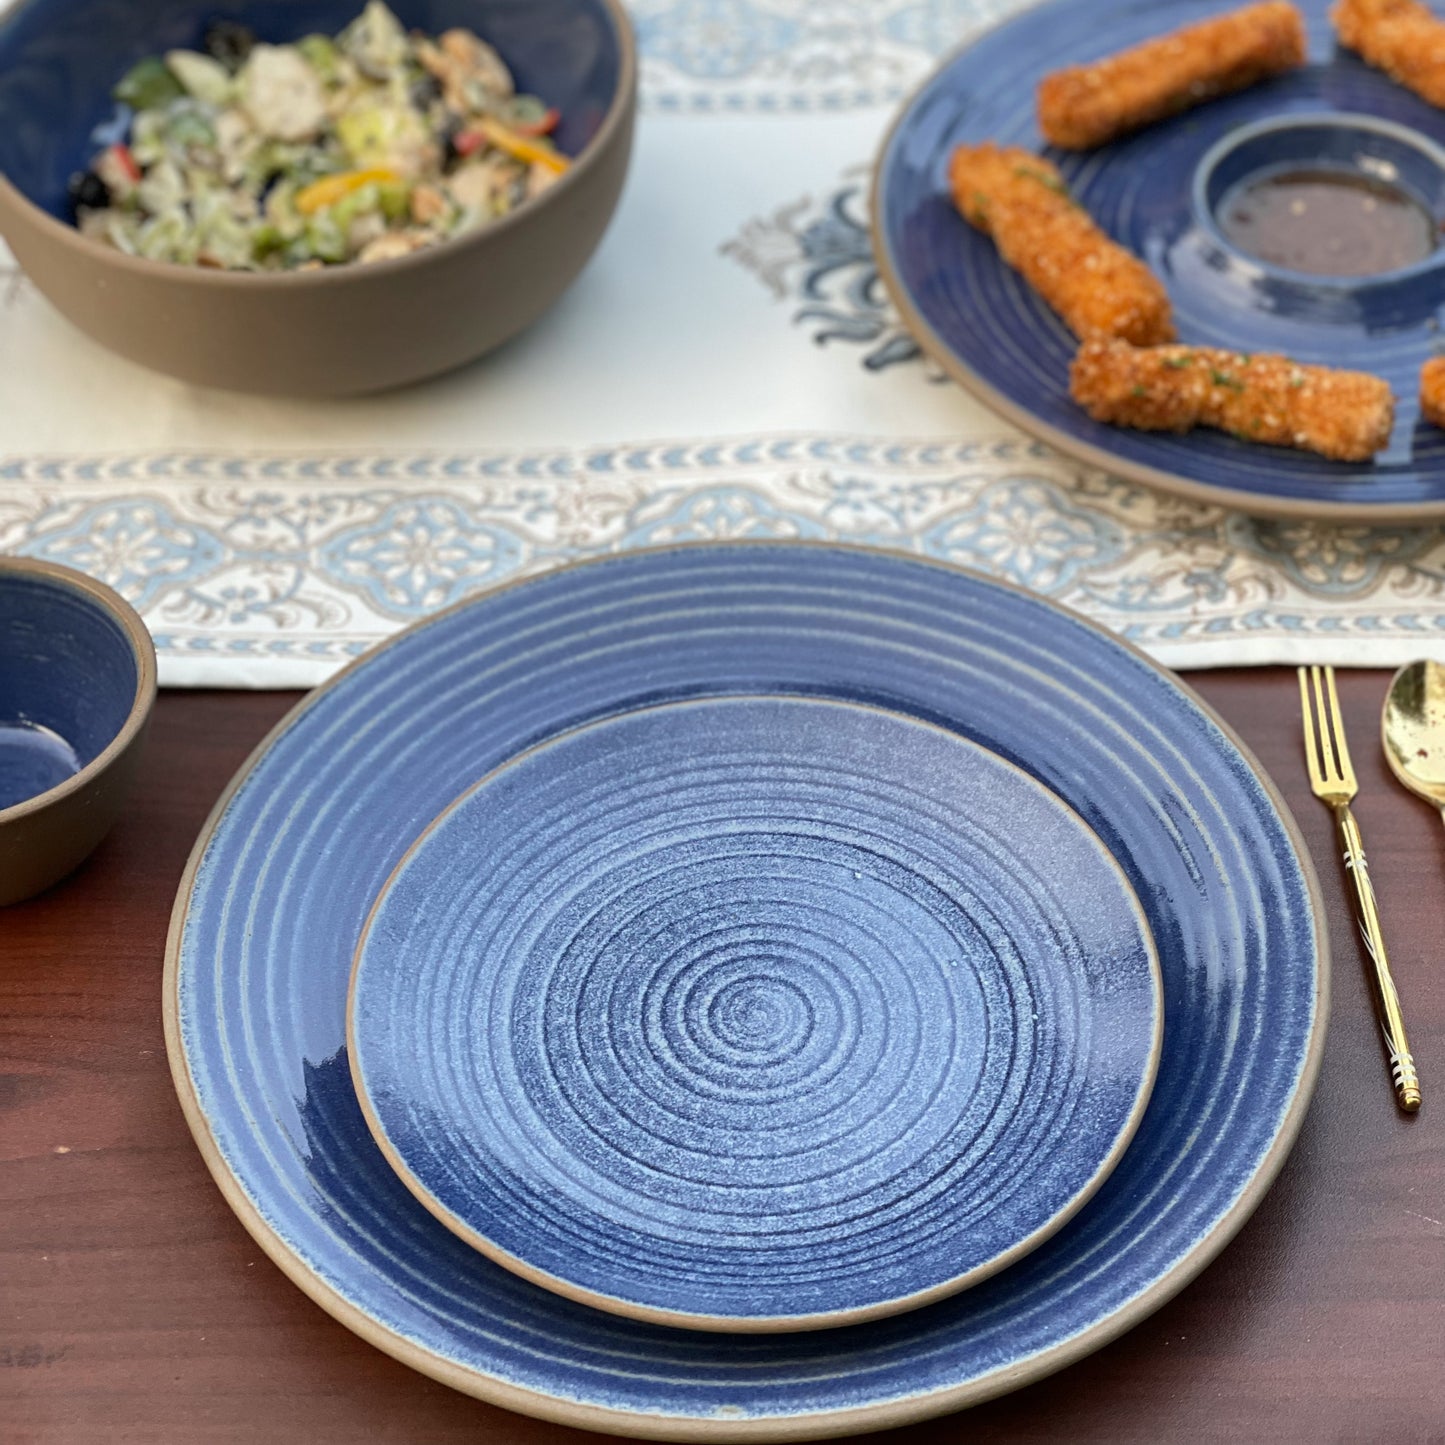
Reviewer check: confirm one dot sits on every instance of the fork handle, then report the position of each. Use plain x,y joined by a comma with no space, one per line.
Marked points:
1402,1062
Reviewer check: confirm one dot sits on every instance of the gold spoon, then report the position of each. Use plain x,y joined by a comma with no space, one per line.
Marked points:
1413,729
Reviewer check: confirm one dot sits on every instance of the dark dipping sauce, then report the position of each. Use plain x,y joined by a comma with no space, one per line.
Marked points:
1328,223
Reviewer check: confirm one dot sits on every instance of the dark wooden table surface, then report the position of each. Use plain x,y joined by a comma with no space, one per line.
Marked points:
134,1307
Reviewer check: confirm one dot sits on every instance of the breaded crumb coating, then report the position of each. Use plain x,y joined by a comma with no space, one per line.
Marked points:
1096,286
1403,38
1344,415
1432,390
1087,105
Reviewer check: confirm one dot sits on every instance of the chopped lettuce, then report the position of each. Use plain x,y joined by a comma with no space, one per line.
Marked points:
200,76
147,84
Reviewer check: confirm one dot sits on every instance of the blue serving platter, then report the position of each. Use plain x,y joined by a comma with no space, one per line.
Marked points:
755,1014
1150,192
284,875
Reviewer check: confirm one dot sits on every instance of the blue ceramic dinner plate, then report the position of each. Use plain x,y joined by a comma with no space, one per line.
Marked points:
1149,191
756,1014
281,882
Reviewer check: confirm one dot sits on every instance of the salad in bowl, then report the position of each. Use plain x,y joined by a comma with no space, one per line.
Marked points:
363,146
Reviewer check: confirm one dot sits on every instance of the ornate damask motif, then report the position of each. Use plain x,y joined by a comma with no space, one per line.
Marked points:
1028,531
286,567
786,56
819,254
420,555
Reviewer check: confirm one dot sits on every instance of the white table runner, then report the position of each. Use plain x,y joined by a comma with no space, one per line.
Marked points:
726,366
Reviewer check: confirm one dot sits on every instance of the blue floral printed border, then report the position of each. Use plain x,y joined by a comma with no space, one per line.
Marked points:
786,56
271,570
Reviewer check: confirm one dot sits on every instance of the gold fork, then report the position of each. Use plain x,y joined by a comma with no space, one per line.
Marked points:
1333,781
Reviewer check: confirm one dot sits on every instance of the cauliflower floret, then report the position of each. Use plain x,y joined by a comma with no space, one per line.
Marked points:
282,94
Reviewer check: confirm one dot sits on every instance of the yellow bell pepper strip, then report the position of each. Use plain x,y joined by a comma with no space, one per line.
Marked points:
330,189
519,146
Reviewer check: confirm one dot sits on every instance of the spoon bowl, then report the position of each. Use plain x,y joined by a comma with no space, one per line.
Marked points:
1413,730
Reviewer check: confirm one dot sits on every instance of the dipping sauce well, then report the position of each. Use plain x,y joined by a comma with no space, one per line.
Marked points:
1328,223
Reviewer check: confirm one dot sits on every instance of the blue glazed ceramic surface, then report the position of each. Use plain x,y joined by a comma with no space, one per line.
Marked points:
68,682
281,884
1359,146
60,59
755,1013
992,332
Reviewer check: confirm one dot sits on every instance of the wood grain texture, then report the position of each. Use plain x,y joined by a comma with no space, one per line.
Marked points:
134,1307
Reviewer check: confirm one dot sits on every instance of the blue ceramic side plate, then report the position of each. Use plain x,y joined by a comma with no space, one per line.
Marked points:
281,882
1148,191
755,1014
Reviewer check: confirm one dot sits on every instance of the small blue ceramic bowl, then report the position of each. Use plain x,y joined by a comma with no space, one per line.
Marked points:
77,683
1357,147
343,329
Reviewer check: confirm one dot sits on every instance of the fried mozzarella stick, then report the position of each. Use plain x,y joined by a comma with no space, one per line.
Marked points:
1087,105
1096,286
1401,37
1432,390
1344,415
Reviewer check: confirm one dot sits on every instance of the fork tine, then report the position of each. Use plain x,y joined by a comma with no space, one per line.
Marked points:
1326,727
1317,710
1337,729
1312,755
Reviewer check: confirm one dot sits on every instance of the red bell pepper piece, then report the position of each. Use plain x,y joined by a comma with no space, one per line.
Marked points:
126,161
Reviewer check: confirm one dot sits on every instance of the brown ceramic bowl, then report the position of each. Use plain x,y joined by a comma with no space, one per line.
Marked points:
346,329
77,683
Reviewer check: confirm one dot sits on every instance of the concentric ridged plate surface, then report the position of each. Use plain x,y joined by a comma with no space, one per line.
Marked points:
993,333
281,882
755,1014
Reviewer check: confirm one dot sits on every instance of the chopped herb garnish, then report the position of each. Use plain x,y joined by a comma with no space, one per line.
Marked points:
1138,390
1223,378
1178,363
1053,183
1296,382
